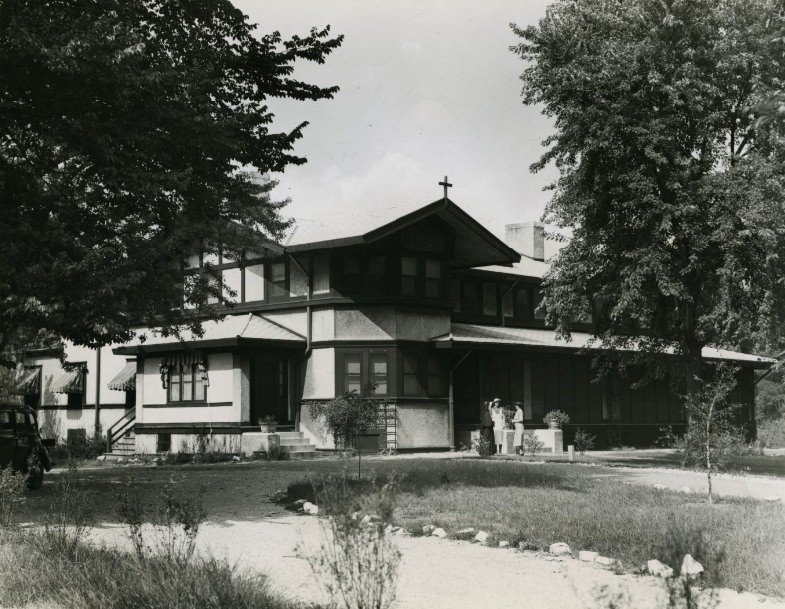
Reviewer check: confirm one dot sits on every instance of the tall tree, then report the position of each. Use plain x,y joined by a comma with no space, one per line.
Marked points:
675,199
126,129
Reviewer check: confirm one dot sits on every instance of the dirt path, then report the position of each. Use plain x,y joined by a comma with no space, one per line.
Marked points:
437,573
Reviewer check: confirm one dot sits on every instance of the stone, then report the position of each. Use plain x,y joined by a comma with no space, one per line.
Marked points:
691,567
440,533
659,569
504,544
660,487
467,533
428,530
300,503
120,460
559,549
312,509
101,458
587,556
235,459
527,546
605,561
481,537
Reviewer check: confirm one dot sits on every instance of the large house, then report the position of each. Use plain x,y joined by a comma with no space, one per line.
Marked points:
425,304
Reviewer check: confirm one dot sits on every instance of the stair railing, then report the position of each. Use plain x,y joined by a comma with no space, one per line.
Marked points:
118,430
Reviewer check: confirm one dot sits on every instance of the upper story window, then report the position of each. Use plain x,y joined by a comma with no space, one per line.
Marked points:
408,275
422,374
515,301
278,280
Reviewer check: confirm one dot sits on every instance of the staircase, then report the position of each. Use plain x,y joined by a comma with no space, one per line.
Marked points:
125,446
296,445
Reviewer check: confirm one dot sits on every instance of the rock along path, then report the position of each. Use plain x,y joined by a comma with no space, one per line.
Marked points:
437,573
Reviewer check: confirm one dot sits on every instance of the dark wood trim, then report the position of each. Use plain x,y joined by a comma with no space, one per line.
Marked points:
83,407
199,427
181,404
371,344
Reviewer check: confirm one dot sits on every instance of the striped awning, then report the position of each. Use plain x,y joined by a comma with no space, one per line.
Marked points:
30,383
70,382
125,379
183,358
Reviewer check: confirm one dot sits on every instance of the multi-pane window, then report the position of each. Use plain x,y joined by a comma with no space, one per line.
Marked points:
298,280
185,384
278,280
378,377
422,374
411,376
433,278
352,372
539,312
408,275
508,303
321,274
254,282
489,299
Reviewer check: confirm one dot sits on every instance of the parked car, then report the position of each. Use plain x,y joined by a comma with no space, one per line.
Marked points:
21,445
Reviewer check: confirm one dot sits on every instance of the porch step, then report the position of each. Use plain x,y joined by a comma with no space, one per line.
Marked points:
296,445
124,447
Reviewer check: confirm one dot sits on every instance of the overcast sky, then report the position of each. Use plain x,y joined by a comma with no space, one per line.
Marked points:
428,88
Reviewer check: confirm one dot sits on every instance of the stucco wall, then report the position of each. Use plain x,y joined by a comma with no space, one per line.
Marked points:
319,383
423,424
55,422
388,322
294,319
313,430
223,443
322,324
221,375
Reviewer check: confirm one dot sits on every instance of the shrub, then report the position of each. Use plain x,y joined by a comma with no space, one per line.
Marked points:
70,515
175,519
12,495
349,414
358,562
482,446
584,440
561,417
532,444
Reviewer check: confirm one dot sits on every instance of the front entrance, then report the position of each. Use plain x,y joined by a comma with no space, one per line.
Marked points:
270,388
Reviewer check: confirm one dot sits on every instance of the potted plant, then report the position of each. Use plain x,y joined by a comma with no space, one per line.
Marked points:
556,418
267,424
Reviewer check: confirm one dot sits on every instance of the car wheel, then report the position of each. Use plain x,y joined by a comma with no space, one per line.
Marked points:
35,478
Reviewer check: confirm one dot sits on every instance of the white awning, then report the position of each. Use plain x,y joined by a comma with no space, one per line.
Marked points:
125,379
30,383
70,382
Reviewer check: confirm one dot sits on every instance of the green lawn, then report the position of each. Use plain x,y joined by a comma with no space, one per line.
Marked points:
738,541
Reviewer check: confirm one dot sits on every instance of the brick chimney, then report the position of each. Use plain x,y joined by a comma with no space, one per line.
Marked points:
527,238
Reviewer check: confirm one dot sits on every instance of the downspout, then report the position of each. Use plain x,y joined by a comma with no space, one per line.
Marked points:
451,399
97,428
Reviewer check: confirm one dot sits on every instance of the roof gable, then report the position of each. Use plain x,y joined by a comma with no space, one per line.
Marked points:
474,244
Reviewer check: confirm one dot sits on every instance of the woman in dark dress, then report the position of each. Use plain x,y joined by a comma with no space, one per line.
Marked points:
486,426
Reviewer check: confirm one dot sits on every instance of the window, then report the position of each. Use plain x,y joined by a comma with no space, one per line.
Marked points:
433,278
363,369
163,443
455,295
278,280
411,380
470,302
508,303
186,384
408,276
298,280
378,365
233,280
435,376
254,283
352,372
422,374
523,303
489,299
321,274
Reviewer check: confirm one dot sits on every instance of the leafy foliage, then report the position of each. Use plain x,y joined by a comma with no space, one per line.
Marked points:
129,132
349,414
584,440
673,193
713,437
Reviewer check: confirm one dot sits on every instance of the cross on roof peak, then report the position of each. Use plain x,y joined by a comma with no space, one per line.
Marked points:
446,185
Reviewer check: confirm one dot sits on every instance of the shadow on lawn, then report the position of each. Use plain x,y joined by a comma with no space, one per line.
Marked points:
419,477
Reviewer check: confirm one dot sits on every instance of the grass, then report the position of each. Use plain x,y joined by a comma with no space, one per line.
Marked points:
738,541
102,578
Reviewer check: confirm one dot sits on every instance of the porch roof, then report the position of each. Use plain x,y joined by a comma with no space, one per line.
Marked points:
231,331
548,340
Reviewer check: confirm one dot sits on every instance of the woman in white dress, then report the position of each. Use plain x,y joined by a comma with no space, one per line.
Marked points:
517,420
497,414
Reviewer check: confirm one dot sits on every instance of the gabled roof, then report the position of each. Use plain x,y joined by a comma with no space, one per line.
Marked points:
475,245
548,340
230,331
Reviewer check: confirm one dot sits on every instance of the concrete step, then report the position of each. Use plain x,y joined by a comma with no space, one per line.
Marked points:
294,442
290,434
302,455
